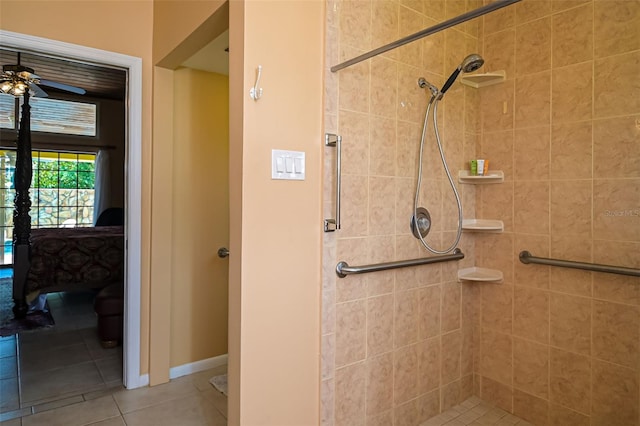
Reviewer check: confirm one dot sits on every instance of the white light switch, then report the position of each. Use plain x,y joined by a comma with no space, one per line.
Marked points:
287,165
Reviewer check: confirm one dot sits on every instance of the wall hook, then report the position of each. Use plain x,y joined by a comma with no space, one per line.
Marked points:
256,92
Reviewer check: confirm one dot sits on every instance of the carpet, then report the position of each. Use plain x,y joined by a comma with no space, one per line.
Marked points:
10,326
220,383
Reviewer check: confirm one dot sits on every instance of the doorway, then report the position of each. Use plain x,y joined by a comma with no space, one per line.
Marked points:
133,178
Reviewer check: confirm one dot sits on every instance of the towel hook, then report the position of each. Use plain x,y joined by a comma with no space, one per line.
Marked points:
256,92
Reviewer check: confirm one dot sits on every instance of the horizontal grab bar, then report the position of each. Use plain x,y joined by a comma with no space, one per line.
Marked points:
526,257
343,269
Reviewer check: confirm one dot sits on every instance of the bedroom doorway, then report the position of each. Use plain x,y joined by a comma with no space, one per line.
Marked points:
132,177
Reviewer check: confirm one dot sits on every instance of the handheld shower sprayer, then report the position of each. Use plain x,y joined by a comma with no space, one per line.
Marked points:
469,64
422,83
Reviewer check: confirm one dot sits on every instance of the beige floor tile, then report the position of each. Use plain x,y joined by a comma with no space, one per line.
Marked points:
191,410
36,361
57,404
201,379
219,401
44,340
76,415
14,422
60,383
115,421
131,400
110,369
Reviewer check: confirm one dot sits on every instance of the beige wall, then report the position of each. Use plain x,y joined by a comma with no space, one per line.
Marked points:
200,219
552,345
396,345
277,248
558,345
92,24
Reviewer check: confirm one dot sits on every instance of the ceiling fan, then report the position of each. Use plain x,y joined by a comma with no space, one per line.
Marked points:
17,79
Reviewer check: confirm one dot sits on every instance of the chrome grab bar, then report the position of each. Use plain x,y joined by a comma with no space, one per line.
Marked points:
427,31
526,257
332,140
343,269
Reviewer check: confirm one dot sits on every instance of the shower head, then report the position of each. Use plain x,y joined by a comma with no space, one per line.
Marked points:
424,83
469,64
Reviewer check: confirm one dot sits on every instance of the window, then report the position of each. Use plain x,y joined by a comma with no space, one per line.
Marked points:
62,192
51,116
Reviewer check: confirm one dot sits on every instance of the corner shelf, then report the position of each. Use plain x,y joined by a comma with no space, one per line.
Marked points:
484,79
495,176
479,274
482,225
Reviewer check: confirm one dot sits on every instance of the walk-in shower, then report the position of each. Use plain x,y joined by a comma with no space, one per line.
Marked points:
421,219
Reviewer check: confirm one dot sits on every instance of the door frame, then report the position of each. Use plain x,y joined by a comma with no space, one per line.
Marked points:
133,180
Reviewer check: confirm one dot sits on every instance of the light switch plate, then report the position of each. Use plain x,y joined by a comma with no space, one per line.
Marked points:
287,165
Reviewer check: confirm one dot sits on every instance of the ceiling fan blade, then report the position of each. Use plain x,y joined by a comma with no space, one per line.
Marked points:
61,86
37,91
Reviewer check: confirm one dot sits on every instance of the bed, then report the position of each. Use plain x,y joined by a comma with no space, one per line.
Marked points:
56,259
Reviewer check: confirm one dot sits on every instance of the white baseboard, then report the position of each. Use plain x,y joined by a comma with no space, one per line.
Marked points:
195,367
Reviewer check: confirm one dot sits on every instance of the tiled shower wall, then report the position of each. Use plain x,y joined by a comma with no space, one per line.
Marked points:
397,345
561,346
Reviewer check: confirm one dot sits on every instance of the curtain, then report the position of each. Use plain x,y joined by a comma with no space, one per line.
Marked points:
102,194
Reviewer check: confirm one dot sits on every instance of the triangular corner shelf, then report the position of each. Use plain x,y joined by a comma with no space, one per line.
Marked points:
482,80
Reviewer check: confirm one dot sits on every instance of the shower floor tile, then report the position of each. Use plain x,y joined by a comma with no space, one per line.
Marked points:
475,412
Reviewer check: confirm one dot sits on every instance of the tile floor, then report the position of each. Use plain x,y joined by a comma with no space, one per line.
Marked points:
62,376
475,412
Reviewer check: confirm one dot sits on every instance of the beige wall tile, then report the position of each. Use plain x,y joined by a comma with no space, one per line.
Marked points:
530,408
450,395
533,100
571,247
350,332
384,90
433,50
497,147
450,356
328,356
571,93
354,128
379,324
381,211
572,36
350,391
408,143
616,212
528,11
429,316
531,367
405,383
618,29
406,414
354,83
410,22
499,20
533,46
531,275
379,387
496,107
559,5
570,212
616,147
570,380
353,251
615,395
406,314
496,393
617,288
407,248
497,203
497,253
570,318
451,297
562,416
380,249
614,85
384,22
355,24
434,9
531,314
327,402
428,365
412,99
496,356
616,333
382,419
497,307
571,151
429,405
499,52
531,206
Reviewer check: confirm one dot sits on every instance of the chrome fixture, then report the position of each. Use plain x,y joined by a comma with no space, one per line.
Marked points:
526,257
335,141
421,226
223,252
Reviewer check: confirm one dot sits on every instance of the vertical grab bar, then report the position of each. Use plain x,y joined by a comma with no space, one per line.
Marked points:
333,140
